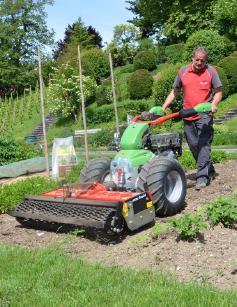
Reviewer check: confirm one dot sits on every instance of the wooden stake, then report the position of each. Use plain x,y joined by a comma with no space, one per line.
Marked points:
83,105
114,93
42,111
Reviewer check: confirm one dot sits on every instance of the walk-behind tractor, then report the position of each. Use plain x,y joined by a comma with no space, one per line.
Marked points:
144,179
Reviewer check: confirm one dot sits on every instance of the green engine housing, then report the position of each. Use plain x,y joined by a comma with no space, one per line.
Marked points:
131,145
132,136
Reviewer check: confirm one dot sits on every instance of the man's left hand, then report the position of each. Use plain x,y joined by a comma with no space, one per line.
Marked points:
213,108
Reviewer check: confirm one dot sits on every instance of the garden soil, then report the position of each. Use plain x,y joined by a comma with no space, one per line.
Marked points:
212,258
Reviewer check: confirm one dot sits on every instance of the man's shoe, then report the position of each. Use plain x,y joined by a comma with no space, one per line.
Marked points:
202,182
212,175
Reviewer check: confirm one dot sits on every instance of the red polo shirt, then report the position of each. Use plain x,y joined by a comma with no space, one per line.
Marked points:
196,85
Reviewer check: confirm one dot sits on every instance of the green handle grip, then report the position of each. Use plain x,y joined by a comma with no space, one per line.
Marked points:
203,107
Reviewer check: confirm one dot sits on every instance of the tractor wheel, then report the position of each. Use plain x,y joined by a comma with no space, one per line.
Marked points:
167,183
96,170
142,178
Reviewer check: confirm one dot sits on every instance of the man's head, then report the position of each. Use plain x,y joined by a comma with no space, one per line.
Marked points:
199,58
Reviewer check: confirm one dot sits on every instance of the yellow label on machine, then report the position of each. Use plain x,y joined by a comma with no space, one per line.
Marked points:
125,210
149,204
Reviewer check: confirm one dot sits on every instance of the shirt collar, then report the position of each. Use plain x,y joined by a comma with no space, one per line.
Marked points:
190,69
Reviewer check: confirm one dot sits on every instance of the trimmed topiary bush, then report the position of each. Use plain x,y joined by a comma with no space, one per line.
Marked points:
164,85
95,63
224,81
144,60
229,65
174,53
215,44
140,84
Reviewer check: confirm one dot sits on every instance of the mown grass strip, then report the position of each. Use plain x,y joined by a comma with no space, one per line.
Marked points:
47,277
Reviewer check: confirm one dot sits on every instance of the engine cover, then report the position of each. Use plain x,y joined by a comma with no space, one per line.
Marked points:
166,141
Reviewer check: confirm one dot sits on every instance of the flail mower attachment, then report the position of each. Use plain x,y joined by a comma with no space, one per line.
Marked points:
87,206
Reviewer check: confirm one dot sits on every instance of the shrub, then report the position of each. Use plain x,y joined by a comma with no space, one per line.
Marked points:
140,84
103,137
105,113
163,86
234,53
174,53
145,60
229,64
224,80
13,151
160,54
215,43
103,95
95,63
101,114
64,91
132,107
122,86
123,69
225,138
187,161
230,46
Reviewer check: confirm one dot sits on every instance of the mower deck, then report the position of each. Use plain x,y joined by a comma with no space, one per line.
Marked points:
94,207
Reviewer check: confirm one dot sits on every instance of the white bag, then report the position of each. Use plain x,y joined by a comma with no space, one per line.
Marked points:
63,155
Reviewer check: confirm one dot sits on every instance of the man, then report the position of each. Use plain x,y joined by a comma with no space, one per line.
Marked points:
200,83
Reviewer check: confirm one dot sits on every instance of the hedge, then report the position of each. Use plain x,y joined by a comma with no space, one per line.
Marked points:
164,85
229,65
140,84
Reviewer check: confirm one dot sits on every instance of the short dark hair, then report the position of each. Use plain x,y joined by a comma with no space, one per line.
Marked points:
200,49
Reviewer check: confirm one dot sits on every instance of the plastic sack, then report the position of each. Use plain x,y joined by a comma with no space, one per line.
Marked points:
63,156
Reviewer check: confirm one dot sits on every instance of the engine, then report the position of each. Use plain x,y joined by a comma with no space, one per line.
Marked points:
164,144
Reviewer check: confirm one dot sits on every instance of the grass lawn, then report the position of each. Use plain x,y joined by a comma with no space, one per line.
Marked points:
48,277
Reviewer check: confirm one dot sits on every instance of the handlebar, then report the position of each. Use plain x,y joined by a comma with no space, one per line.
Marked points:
201,108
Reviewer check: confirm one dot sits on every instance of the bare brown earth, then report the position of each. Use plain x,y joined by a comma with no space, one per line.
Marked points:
211,258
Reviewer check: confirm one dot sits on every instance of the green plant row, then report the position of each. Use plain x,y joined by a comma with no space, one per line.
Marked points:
189,226
16,111
12,194
13,151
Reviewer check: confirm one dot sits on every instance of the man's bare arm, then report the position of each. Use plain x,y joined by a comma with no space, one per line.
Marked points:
172,95
216,99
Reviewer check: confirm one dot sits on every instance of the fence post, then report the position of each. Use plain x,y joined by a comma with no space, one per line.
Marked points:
42,111
83,105
114,93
